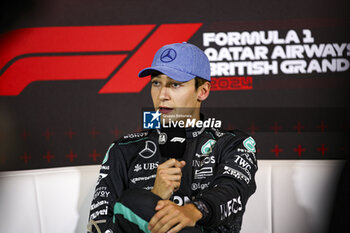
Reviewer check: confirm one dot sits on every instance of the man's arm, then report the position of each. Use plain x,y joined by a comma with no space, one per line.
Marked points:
170,216
233,182
232,185
110,184
173,218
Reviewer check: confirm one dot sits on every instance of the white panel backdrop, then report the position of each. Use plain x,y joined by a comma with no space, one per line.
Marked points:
292,196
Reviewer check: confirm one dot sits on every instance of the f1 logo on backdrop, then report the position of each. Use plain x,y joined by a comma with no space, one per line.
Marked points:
114,53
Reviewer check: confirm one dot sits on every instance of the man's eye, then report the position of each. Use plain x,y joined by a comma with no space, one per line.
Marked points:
176,85
155,83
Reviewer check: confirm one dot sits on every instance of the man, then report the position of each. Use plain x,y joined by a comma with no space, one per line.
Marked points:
138,190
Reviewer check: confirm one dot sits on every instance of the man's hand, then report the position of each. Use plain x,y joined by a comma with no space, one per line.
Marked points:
168,178
172,218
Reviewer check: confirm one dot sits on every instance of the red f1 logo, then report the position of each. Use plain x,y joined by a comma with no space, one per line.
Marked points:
116,53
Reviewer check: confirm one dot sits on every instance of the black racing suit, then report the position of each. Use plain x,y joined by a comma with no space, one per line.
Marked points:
218,178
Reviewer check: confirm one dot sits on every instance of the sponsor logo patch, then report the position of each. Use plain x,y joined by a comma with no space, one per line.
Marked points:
98,213
249,143
196,186
146,167
137,179
162,138
100,177
102,192
203,172
231,207
149,150
237,174
178,139
204,161
168,55
98,204
180,200
207,148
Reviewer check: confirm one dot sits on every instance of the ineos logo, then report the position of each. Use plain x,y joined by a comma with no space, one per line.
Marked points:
149,150
168,55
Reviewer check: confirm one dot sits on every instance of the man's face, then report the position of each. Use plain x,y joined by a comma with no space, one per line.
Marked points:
175,99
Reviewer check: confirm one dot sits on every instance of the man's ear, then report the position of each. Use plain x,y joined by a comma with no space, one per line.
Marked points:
203,91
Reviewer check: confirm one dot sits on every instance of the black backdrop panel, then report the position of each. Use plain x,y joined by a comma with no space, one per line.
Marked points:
69,86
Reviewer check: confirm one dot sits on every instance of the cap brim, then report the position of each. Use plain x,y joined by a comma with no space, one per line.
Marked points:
170,72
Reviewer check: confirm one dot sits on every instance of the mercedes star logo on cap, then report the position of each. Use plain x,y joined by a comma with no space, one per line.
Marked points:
168,55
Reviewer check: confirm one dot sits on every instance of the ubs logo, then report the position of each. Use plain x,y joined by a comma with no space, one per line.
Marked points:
146,166
168,55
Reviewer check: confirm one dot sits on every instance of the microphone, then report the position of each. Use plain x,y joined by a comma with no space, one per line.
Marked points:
172,142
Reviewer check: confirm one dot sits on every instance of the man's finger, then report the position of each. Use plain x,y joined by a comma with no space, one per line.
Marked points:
176,228
172,163
169,163
183,163
173,177
154,220
180,164
171,213
168,222
161,204
172,171
176,185
159,215
176,163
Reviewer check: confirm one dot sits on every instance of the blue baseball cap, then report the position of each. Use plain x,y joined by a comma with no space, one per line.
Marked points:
181,62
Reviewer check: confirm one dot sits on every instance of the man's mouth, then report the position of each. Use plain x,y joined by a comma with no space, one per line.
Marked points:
165,110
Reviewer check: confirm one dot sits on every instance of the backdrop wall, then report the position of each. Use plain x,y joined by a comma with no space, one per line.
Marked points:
69,86
280,71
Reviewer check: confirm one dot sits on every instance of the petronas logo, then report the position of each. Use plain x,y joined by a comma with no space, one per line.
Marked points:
249,143
207,148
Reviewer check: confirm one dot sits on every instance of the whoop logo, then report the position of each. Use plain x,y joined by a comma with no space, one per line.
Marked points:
114,53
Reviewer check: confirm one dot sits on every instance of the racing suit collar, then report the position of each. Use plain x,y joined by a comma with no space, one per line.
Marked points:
193,132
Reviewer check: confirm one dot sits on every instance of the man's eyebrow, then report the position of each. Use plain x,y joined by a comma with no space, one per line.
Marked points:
168,80
175,81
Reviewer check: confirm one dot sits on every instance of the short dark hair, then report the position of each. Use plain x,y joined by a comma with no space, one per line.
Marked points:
198,81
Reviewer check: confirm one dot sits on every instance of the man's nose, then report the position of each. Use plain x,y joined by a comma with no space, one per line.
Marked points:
164,95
